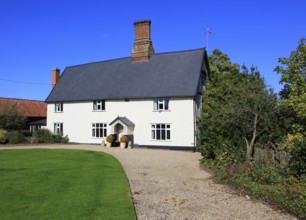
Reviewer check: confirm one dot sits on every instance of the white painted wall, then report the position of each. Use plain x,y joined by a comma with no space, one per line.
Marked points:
77,119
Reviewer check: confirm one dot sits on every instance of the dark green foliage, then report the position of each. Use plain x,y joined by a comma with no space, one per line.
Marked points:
45,136
267,183
238,112
290,194
11,119
265,174
293,104
293,76
15,137
297,162
237,169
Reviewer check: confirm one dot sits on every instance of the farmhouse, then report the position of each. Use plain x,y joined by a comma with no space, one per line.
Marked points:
154,98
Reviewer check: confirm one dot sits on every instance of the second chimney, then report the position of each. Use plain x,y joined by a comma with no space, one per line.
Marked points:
55,76
143,48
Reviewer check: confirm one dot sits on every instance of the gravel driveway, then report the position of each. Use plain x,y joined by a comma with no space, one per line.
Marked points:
171,185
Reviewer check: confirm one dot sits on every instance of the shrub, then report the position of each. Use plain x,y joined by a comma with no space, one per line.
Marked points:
237,169
45,136
207,151
124,139
265,174
59,138
297,162
110,138
15,137
2,136
34,140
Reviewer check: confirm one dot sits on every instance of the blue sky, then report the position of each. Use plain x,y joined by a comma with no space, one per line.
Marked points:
36,35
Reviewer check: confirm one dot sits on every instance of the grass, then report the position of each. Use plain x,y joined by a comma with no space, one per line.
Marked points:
62,184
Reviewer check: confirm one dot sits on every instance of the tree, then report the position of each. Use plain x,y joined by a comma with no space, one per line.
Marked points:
293,95
11,118
238,111
293,104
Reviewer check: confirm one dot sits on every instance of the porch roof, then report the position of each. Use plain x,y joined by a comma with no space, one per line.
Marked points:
124,120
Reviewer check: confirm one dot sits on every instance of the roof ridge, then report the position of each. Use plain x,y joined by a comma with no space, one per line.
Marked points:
102,61
130,57
180,51
21,99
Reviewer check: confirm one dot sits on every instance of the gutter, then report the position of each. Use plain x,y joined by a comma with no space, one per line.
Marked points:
194,126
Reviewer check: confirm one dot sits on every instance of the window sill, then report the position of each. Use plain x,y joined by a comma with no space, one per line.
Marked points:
160,140
98,111
161,111
58,112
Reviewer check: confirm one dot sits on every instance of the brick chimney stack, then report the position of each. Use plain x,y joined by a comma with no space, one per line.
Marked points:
55,76
143,48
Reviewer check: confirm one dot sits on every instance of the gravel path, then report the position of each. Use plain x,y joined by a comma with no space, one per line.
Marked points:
171,185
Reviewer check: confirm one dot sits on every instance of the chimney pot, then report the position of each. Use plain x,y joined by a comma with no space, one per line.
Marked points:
143,48
55,76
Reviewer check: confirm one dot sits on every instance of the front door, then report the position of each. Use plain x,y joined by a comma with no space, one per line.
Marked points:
119,130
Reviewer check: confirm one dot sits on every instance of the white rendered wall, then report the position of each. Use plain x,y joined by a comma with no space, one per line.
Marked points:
77,119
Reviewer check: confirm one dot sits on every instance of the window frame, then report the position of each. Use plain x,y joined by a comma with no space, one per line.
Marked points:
99,105
161,104
58,128
99,128
161,132
59,107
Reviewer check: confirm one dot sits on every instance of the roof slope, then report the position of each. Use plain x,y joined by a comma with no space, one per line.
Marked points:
28,108
172,74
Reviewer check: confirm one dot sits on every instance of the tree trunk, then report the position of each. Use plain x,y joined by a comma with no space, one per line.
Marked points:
251,144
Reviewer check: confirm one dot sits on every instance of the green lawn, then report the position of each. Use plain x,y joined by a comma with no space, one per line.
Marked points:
62,184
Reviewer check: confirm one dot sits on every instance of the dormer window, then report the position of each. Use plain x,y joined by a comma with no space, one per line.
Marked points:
99,105
161,104
58,107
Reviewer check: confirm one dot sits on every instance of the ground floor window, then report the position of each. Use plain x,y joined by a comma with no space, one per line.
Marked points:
160,131
58,128
99,130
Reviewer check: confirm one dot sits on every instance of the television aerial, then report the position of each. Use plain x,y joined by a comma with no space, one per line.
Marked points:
207,34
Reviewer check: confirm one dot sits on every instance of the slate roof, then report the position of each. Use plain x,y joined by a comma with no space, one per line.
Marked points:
39,122
174,74
124,120
28,108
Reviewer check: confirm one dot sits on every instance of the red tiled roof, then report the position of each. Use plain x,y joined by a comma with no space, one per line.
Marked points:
28,108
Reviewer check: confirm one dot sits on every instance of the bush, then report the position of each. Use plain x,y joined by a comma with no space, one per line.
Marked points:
15,137
237,169
45,136
110,138
124,139
297,162
286,192
290,194
265,174
2,136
